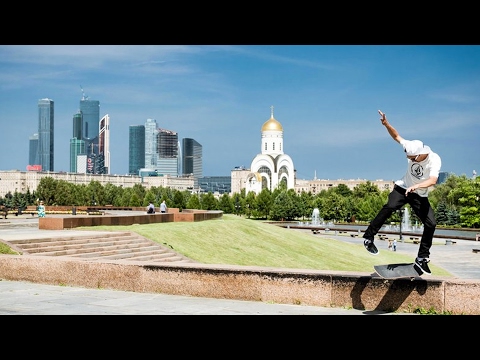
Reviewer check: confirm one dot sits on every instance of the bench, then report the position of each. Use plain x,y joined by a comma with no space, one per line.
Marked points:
94,211
415,240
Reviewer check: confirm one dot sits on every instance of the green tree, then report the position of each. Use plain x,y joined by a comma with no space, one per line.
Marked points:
284,206
343,190
65,194
250,204
96,193
179,200
135,200
149,198
264,203
193,202
111,191
208,201
306,199
46,190
226,204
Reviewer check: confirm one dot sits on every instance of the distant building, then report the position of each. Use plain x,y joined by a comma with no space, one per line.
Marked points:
104,144
272,166
90,110
77,147
192,154
46,127
215,184
77,144
151,143
442,177
33,149
168,161
21,181
136,149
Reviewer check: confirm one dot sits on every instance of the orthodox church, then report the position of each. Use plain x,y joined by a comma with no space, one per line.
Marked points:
272,166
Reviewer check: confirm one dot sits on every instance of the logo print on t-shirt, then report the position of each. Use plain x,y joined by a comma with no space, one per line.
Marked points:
416,170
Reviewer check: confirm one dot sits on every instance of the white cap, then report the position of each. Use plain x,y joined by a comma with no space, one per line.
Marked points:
415,147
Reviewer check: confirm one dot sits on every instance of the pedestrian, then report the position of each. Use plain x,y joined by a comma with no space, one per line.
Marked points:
151,208
41,210
389,244
394,244
163,207
423,168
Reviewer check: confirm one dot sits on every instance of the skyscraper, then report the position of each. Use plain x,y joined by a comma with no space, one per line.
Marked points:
77,147
136,149
77,144
90,110
78,125
167,160
192,159
33,150
46,134
104,144
151,143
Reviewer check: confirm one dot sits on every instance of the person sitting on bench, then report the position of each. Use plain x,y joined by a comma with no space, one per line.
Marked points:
150,208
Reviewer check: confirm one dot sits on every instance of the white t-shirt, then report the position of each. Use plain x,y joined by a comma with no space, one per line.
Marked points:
418,172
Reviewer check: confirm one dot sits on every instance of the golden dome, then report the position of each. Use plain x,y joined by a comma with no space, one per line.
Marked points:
272,124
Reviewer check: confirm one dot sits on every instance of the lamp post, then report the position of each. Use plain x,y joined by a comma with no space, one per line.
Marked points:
401,221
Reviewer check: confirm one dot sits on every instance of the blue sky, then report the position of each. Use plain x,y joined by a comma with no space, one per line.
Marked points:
325,96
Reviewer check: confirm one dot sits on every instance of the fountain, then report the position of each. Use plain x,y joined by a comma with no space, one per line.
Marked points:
316,217
406,226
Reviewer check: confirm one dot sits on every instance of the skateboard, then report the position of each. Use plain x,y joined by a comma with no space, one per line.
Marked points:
398,271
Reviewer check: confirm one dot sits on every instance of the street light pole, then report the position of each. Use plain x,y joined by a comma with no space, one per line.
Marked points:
401,221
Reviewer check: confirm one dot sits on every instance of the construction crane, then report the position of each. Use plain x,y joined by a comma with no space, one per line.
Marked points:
84,97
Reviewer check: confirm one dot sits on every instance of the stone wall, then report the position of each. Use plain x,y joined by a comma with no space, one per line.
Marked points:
74,221
283,286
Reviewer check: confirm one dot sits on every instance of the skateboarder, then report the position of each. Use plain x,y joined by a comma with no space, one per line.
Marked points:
423,168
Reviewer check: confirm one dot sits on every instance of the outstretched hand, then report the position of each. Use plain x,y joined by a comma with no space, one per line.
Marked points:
383,118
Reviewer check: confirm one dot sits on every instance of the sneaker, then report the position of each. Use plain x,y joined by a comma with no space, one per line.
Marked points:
370,246
423,265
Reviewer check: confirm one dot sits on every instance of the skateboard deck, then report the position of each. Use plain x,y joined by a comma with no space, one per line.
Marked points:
397,271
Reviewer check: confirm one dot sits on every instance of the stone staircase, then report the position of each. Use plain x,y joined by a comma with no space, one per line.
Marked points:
105,246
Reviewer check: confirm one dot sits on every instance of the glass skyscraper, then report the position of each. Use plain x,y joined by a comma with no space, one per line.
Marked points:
151,132
104,144
90,110
46,134
192,159
77,144
167,149
77,147
136,149
33,150
78,126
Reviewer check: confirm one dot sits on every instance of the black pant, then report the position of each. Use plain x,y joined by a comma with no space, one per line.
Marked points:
420,206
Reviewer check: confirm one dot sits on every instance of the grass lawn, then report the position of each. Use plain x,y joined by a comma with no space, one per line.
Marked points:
235,240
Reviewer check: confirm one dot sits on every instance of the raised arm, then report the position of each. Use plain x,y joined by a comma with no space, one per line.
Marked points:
391,130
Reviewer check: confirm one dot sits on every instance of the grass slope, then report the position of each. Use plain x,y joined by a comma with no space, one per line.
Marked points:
235,240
